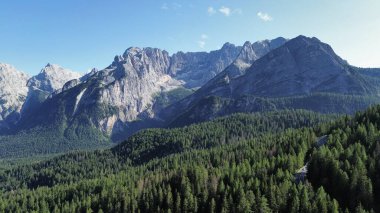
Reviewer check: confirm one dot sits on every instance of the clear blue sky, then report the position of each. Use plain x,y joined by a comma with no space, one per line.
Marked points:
81,34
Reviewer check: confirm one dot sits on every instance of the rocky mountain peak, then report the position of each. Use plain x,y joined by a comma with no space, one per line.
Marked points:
247,44
138,61
303,41
13,92
227,46
308,65
11,78
132,51
301,67
118,59
92,72
127,86
250,53
52,77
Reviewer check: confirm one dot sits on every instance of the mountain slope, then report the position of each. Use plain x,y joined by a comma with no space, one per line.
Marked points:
302,67
195,69
127,92
86,112
234,164
13,92
130,94
21,95
348,165
159,143
49,81
51,78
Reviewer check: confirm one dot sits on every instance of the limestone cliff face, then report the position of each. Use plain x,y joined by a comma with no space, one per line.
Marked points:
131,82
52,77
127,87
195,69
124,92
13,92
301,67
20,94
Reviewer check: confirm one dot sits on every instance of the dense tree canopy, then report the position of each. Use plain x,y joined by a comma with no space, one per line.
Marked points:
240,163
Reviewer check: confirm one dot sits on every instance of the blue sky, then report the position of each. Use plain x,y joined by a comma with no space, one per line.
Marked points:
81,34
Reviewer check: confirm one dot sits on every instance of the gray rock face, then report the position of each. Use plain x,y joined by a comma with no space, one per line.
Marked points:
252,52
136,76
195,69
132,80
124,92
249,54
302,66
89,74
127,86
20,94
13,92
52,77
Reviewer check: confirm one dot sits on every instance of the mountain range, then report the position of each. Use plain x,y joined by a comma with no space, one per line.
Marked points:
132,79
20,92
304,73
149,88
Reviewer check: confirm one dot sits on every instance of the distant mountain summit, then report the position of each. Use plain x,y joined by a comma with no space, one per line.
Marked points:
146,87
13,92
127,91
301,67
20,94
195,69
52,77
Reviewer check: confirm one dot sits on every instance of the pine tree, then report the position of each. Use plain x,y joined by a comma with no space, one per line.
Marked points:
263,205
320,201
178,203
212,206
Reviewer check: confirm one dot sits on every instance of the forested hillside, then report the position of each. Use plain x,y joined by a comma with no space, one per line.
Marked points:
238,163
348,167
157,143
213,106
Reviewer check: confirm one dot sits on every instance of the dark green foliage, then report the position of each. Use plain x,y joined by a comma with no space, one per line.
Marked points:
240,163
348,167
157,143
239,177
164,99
52,128
48,140
57,132
146,144
214,106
